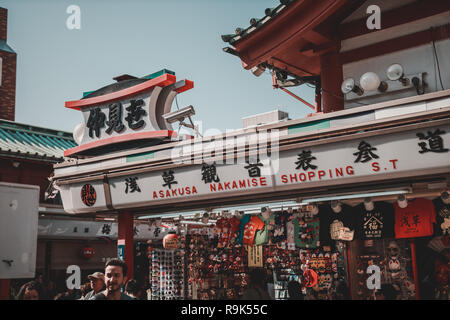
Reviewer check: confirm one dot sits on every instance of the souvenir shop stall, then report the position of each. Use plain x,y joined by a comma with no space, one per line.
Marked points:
333,239
212,260
335,250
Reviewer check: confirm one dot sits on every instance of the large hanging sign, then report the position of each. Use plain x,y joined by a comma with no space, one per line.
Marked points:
133,113
382,155
177,183
420,149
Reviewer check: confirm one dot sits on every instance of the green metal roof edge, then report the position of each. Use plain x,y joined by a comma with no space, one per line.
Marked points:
140,156
4,47
12,125
29,156
158,73
309,126
149,77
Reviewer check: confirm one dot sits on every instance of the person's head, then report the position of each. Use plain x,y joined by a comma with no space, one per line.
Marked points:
258,277
115,274
97,281
294,290
387,292
85,288
133,288
30,291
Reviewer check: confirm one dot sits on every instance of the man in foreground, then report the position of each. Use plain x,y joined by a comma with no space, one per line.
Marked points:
115,278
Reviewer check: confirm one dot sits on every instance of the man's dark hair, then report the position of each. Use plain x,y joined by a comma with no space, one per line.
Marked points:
117,263
32,285
132,287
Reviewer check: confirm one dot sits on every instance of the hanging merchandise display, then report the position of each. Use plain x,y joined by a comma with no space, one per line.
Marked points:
340,221
374,220
306,230
415,220
265,235
167,274
212,272
250,229
442,215
334,250
393,257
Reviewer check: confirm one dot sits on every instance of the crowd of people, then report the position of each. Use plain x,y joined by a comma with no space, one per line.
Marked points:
101,286
108,286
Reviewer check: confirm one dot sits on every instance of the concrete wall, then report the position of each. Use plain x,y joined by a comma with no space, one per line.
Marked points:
414,60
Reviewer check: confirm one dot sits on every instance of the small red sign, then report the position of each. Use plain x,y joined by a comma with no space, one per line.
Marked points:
88,195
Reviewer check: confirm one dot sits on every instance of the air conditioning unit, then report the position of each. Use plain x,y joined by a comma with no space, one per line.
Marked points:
265,118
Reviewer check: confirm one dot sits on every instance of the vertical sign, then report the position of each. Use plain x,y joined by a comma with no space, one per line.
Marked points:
255,256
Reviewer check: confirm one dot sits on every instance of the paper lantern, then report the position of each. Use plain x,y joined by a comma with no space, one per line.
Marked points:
88,252
170,241
311,278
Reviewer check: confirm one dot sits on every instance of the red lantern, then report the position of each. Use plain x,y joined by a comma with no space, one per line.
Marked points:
88,252
311,278
170,241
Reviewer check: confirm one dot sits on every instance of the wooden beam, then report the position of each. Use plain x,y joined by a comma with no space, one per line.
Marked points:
284,31
318,50
289,67
408,13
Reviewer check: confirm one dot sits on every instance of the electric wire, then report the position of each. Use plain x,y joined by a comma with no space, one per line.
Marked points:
437,60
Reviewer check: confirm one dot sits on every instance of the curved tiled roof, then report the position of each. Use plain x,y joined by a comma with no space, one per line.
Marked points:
30,142
255,24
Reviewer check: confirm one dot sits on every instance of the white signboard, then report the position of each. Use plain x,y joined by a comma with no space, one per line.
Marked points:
381,155
19,209
386,154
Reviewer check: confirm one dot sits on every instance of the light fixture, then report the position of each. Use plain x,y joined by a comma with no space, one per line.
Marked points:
370,81
349,85
336,206
402,202
420,86
355,196
395,72
368,204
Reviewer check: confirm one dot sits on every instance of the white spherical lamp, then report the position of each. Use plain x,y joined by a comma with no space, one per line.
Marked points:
78,133
370,81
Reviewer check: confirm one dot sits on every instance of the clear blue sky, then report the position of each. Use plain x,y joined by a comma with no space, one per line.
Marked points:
139,37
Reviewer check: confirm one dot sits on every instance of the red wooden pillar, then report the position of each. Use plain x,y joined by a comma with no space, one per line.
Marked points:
331,79
414,265
125,240
4,289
